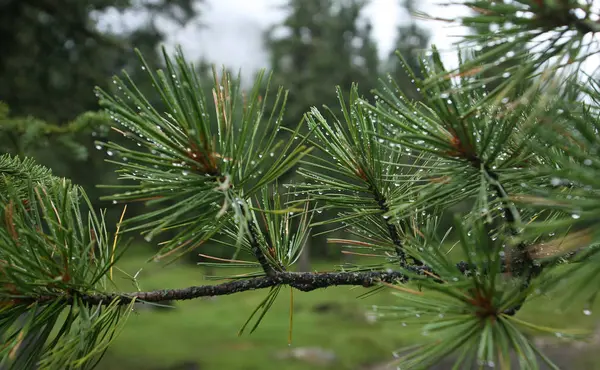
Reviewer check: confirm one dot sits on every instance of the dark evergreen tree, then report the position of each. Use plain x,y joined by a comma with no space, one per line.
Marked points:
321,44
411,42
53,51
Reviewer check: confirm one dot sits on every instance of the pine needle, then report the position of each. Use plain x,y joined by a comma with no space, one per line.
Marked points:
112,255
402,289
224,259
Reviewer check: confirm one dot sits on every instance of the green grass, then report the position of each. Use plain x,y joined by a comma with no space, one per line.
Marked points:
205,330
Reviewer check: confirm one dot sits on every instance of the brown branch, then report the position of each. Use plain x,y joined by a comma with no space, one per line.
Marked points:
523,263
303,281
255,246
392,229
551,18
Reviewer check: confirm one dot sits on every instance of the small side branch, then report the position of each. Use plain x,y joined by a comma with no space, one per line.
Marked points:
523,264
254,239
512,216
256,250
392,229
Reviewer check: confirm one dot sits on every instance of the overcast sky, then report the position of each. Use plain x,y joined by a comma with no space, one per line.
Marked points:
233,29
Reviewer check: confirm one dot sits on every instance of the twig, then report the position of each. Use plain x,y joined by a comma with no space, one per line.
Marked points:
303,281
255,245
392,229
524,264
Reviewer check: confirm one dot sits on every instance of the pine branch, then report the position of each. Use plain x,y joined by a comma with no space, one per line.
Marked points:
511,214
524,263
393,231
303,281
563,15
255,245
512,217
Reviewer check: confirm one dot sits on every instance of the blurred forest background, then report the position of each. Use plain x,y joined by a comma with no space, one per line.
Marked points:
53,52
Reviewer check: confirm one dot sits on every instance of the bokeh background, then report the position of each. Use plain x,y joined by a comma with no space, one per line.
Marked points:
52,54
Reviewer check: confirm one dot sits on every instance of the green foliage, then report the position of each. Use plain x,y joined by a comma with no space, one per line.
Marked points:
17,174
26,135
359,174
53,54
181,160
467,313
54,51
390,167
471,147
557,33
319,45
54,251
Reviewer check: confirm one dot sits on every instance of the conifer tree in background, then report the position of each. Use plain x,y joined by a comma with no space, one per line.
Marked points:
52,52
525,157
321,43
411,41
57,49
